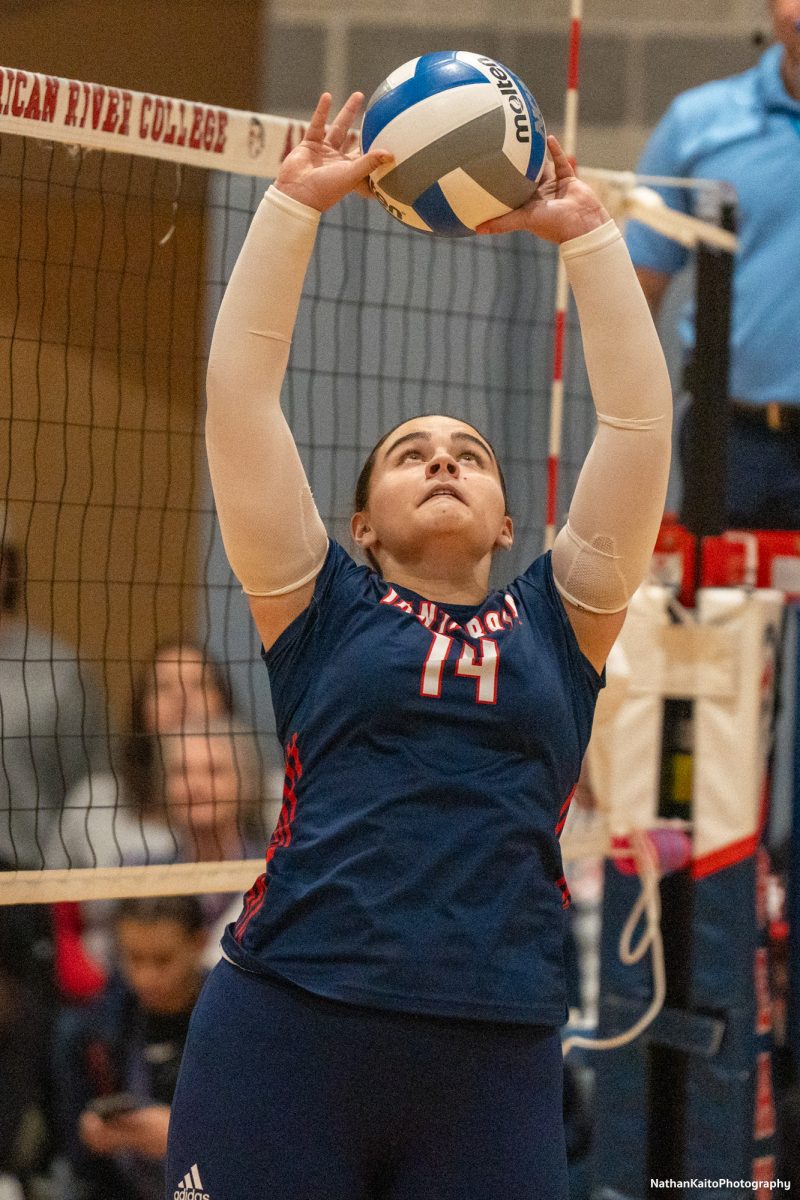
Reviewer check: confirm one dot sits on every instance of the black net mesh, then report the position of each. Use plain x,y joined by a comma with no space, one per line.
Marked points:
111,271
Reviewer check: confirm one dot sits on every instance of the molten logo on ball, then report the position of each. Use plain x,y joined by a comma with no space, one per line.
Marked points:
508,89
467,137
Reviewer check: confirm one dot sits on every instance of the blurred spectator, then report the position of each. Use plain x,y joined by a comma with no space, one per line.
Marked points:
744,131
209,784
125,1049
214,797
185,685
116,818
52,721
213,789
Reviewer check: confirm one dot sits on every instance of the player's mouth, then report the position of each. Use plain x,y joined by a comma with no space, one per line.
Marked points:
443,489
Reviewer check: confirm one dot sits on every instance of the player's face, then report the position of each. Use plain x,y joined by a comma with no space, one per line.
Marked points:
182,691
435,482
161,961
202,783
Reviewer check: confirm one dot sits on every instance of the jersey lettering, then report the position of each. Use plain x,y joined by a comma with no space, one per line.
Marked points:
427,613
431,684
482,668
431,616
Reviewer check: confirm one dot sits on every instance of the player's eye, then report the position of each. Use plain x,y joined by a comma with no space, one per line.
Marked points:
415,455
471,456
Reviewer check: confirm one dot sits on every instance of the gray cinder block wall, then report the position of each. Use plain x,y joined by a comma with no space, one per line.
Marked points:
637,54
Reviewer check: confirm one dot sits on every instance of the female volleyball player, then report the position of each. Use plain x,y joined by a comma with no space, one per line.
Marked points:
385,1024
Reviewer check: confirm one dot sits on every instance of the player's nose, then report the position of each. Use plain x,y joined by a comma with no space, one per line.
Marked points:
441,463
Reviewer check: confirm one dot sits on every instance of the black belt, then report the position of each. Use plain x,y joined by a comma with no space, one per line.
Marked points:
778,418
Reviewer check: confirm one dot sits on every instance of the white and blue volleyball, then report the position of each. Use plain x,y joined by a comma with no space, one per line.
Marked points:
468,140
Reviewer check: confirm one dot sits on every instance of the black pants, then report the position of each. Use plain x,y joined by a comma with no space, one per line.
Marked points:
287,1095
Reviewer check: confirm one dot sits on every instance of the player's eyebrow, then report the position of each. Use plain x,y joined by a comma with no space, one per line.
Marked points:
423,435
461,436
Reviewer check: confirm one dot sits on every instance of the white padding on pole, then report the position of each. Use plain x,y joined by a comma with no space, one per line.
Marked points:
623,759
672,655
722,657
732,732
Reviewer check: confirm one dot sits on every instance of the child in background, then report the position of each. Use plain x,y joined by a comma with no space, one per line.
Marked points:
117,1061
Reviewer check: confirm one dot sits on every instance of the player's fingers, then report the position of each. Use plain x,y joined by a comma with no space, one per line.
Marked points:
561,161
516,219
548,172
316,126
364,164
340,126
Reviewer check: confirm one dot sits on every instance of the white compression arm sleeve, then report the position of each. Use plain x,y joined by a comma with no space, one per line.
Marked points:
603,552
273,534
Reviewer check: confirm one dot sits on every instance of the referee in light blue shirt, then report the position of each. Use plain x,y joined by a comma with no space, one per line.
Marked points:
745,130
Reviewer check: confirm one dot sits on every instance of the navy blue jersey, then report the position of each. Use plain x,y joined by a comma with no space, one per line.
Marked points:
431,751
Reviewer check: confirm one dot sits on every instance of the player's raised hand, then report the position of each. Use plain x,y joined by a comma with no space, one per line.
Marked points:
563,206
324,167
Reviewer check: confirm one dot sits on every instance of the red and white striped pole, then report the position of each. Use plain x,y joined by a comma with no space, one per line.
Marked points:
569,142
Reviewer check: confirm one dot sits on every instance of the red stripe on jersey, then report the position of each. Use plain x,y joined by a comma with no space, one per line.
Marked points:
566,898
282,836
565,806
293,770
564,813
252,902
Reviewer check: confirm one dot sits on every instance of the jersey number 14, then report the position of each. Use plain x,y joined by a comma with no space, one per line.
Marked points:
483,667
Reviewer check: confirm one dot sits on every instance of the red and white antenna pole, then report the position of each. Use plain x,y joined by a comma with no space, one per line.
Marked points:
569,142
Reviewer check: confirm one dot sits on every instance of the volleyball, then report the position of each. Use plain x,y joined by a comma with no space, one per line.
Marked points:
468,141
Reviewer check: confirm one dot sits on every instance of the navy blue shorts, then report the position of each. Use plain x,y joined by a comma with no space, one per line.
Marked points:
287,1096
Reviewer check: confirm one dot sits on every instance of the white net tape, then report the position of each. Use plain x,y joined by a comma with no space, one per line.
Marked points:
96,116
175,879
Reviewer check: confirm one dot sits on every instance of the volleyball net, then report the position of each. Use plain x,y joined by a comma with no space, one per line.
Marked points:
138,753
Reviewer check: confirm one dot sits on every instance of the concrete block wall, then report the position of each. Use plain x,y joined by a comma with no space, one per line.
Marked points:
636,54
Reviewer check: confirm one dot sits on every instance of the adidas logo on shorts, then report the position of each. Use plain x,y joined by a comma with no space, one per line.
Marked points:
190,1187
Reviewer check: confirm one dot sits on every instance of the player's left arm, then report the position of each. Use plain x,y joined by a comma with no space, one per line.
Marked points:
603,552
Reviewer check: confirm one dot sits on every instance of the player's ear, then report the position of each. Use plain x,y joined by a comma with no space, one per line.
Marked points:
505,538
362,532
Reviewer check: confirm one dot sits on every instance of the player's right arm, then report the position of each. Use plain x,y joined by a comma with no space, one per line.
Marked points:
274,537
